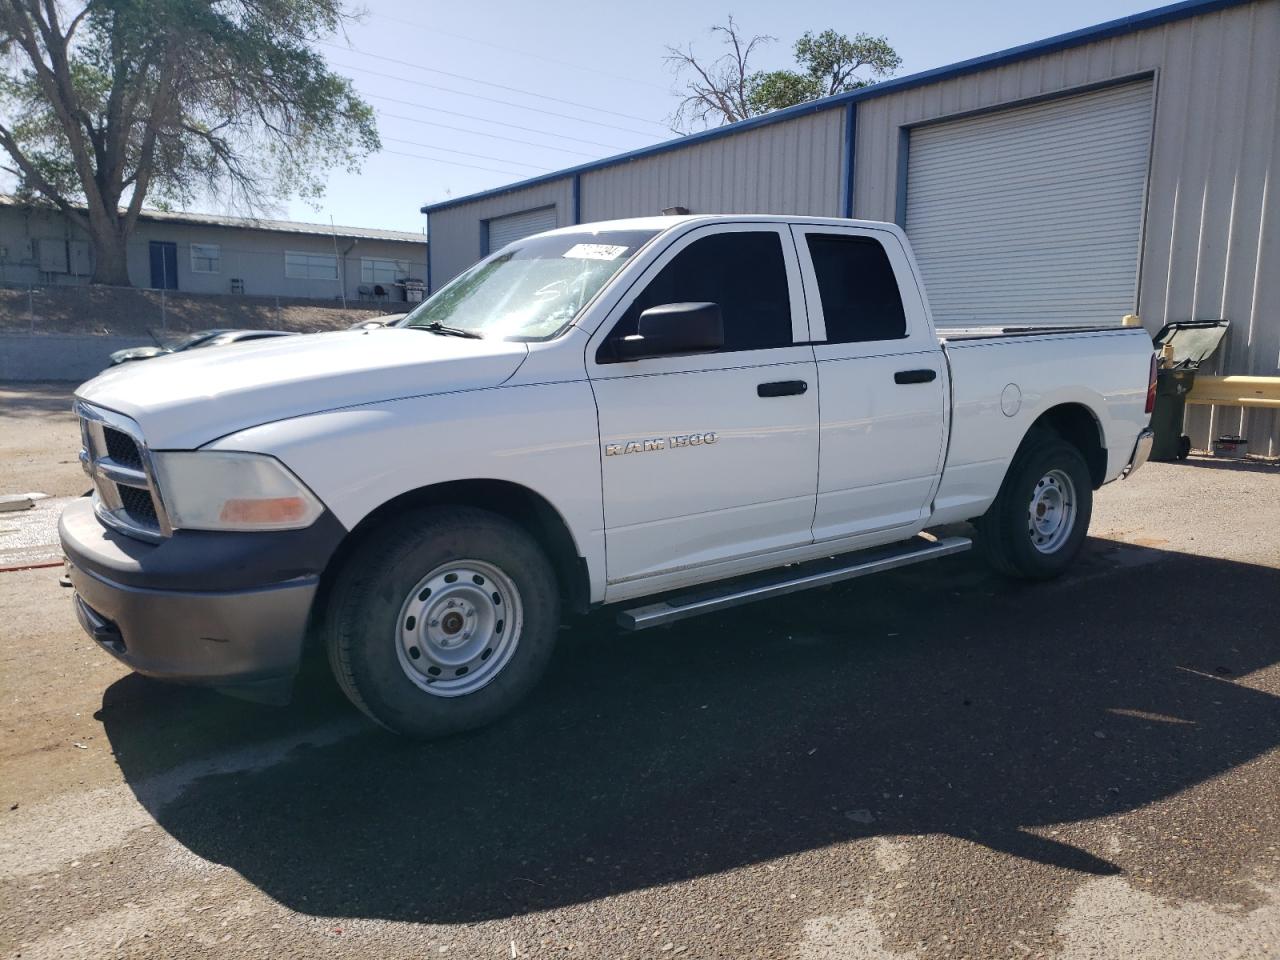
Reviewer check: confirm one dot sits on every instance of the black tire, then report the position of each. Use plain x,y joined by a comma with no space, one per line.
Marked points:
361,623
1006,538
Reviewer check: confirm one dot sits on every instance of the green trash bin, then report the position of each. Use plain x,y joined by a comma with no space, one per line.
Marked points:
1190,343
1172,386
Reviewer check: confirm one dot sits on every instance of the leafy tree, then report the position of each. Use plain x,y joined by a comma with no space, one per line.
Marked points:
727,89
121,101
775,89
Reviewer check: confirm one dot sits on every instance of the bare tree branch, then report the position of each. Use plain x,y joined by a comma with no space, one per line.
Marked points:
720,89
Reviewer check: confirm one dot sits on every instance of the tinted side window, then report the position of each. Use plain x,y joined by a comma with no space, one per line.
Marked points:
859,291
743,272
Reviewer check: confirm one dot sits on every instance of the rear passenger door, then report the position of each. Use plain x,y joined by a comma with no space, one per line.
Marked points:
882,383
711,457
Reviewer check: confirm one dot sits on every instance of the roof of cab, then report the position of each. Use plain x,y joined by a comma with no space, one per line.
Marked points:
663,223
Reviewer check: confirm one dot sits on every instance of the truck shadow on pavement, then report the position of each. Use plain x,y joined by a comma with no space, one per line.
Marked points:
936,700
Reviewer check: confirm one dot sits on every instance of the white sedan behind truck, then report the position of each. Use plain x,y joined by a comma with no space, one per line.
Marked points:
745,405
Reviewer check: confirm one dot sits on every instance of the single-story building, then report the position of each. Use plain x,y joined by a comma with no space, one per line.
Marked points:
202,253
1128,167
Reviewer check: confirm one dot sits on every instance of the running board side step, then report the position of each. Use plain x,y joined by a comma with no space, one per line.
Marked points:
777,583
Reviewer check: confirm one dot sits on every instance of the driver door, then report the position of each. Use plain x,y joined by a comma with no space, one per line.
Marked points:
711,458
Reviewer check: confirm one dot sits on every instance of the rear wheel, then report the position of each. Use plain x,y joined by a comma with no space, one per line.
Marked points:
1039,520
442,621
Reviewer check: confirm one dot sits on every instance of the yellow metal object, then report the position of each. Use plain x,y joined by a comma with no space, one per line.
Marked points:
1131,320
1237,391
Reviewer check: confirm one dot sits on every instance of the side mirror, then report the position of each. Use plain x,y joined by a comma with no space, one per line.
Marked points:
672,329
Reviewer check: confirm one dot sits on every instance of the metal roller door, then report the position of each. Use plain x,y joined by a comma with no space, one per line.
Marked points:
515,226
1033,214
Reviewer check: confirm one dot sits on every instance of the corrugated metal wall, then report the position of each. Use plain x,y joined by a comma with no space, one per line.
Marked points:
1213,227
1211,246
790,167
455,233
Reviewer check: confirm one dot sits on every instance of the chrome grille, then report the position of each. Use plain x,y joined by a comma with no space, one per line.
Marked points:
124,490
138,505
121,448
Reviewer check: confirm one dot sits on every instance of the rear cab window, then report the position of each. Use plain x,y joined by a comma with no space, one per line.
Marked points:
859,290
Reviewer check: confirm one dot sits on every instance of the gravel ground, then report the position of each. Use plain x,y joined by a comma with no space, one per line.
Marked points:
29,537
929,764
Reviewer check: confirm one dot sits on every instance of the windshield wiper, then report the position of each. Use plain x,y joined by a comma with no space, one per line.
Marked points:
438,327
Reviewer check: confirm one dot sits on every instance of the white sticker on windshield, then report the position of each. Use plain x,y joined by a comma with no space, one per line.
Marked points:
595,251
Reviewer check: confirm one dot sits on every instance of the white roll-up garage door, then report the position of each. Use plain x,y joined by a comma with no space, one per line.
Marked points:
516,226
1033,214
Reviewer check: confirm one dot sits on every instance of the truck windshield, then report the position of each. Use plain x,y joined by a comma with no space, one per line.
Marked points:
531,289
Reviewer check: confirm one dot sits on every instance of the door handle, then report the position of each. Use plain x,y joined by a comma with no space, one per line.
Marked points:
915,376
782,388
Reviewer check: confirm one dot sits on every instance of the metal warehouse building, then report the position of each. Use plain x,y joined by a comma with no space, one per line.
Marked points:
1124,168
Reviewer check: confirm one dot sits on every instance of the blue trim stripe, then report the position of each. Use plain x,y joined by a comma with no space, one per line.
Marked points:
850,156
900,194
1102,31
577,198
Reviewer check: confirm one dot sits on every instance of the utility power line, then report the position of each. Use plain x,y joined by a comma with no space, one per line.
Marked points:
505,103
489,83
480,133
463,153
520,52
496,123
455,163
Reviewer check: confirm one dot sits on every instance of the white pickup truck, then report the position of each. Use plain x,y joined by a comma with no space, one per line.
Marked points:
731,406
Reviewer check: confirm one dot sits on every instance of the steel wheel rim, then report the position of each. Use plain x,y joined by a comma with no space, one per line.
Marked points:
458,627
1051,516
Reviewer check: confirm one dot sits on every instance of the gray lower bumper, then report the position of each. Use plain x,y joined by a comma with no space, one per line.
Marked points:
220,639
155,608
1141,451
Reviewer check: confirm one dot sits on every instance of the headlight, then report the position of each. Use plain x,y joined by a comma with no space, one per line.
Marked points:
216,490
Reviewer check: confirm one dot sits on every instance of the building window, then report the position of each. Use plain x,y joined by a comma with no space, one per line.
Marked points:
206,258
377,270
310,266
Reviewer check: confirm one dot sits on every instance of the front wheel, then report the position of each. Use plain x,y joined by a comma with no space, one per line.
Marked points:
442,621
1038,522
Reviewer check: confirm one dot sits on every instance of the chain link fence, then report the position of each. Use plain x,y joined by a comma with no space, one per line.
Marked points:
130,312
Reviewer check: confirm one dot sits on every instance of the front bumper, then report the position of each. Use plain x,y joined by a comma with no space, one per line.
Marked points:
145,606
1141,450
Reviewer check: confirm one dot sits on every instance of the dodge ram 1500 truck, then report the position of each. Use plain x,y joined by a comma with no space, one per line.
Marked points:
672,414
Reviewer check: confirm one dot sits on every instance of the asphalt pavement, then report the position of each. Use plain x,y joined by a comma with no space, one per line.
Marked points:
932,763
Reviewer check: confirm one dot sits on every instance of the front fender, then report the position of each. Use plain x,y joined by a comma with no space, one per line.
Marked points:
543,437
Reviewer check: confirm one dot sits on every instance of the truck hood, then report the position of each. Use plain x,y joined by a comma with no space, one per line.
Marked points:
184,400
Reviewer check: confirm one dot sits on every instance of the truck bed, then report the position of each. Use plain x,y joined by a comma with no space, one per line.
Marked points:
1004,378
959,334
